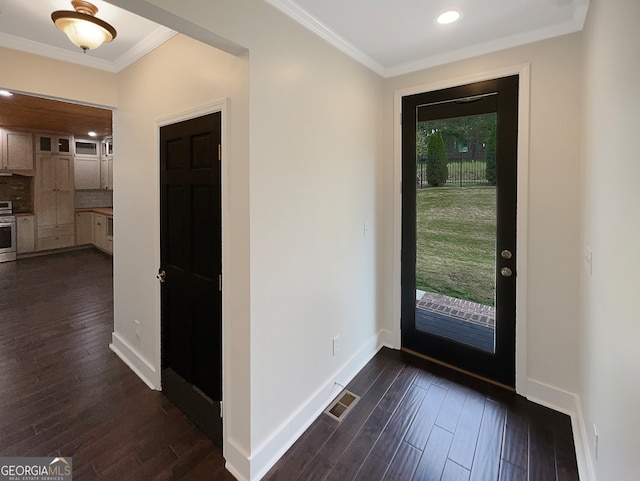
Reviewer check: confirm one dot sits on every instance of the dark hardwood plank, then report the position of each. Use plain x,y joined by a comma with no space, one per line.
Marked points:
466,435
373,468
511,472
486,463
349,463
339,441
455,472
434,456
451,408
425,418
304,450
404,463
516,446
542,465
394,432
66,394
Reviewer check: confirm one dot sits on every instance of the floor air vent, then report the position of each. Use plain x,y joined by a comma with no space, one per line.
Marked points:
339,408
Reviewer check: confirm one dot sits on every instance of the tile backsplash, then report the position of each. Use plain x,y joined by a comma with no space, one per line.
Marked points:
94,198
18,189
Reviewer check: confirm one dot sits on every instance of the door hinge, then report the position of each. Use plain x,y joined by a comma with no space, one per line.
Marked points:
219,151
221,409
220,282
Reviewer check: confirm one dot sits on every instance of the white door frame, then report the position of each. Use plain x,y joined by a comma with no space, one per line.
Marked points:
221,106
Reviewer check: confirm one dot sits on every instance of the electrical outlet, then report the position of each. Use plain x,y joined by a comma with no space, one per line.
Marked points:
595,441
137,331
336,345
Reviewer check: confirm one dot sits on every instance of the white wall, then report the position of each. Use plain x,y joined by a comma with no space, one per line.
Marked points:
610,358
553,216
42,76
314,158
181,75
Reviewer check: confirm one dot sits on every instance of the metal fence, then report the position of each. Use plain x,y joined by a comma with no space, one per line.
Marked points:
462,171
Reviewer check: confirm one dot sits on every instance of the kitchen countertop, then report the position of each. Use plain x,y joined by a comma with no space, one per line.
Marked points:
98,210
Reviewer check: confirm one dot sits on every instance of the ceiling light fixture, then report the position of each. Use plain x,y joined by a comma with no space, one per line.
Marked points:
82,27
5,93
92,134
449,16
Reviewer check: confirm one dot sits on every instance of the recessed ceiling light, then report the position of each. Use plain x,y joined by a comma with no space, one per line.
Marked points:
92,134
449,16
5,93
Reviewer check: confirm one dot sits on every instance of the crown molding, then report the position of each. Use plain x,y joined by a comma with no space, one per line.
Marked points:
147,44
152,41
300,15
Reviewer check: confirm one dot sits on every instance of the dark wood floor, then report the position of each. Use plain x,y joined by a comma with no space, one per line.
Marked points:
64,393
419,421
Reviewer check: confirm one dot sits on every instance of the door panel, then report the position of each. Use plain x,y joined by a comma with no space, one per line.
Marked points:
453,234
191,252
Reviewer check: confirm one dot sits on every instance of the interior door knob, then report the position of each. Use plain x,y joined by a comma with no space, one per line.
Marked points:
506,272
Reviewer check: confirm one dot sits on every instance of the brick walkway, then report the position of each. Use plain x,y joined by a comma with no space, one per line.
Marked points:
458,308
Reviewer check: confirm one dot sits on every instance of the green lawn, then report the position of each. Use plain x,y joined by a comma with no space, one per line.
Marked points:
456,242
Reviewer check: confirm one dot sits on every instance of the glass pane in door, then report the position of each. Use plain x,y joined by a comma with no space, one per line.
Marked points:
456,229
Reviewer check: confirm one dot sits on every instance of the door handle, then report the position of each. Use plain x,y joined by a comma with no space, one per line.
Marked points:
162,275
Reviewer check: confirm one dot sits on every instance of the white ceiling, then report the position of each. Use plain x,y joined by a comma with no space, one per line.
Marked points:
26,25
391,37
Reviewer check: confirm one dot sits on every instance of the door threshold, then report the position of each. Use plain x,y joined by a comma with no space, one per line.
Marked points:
457,369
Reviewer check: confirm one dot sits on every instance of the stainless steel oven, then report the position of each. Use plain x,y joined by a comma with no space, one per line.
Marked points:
7,232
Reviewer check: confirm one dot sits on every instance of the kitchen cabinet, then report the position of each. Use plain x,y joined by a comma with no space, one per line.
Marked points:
106,173
103,232
87,147
54,144
106,165
16,150
25,233
54,201
87,172
84,228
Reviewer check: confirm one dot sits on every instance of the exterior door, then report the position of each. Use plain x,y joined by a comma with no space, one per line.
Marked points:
459,154
191,253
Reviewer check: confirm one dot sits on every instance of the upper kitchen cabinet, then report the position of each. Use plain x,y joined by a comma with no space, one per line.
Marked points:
87,164
54,144
16,151
106,164
90,148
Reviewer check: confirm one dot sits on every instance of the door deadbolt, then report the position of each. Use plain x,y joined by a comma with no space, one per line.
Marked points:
506,272
506,254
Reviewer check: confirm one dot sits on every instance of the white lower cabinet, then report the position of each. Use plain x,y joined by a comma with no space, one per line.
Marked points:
103,232
84,228
25,233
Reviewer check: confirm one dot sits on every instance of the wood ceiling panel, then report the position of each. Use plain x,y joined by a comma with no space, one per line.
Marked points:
53,116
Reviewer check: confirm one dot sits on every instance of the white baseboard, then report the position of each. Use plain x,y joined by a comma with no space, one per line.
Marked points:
569,404
138,364
583,453
237,460
266,455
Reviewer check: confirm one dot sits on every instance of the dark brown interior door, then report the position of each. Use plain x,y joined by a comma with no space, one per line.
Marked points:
191,257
